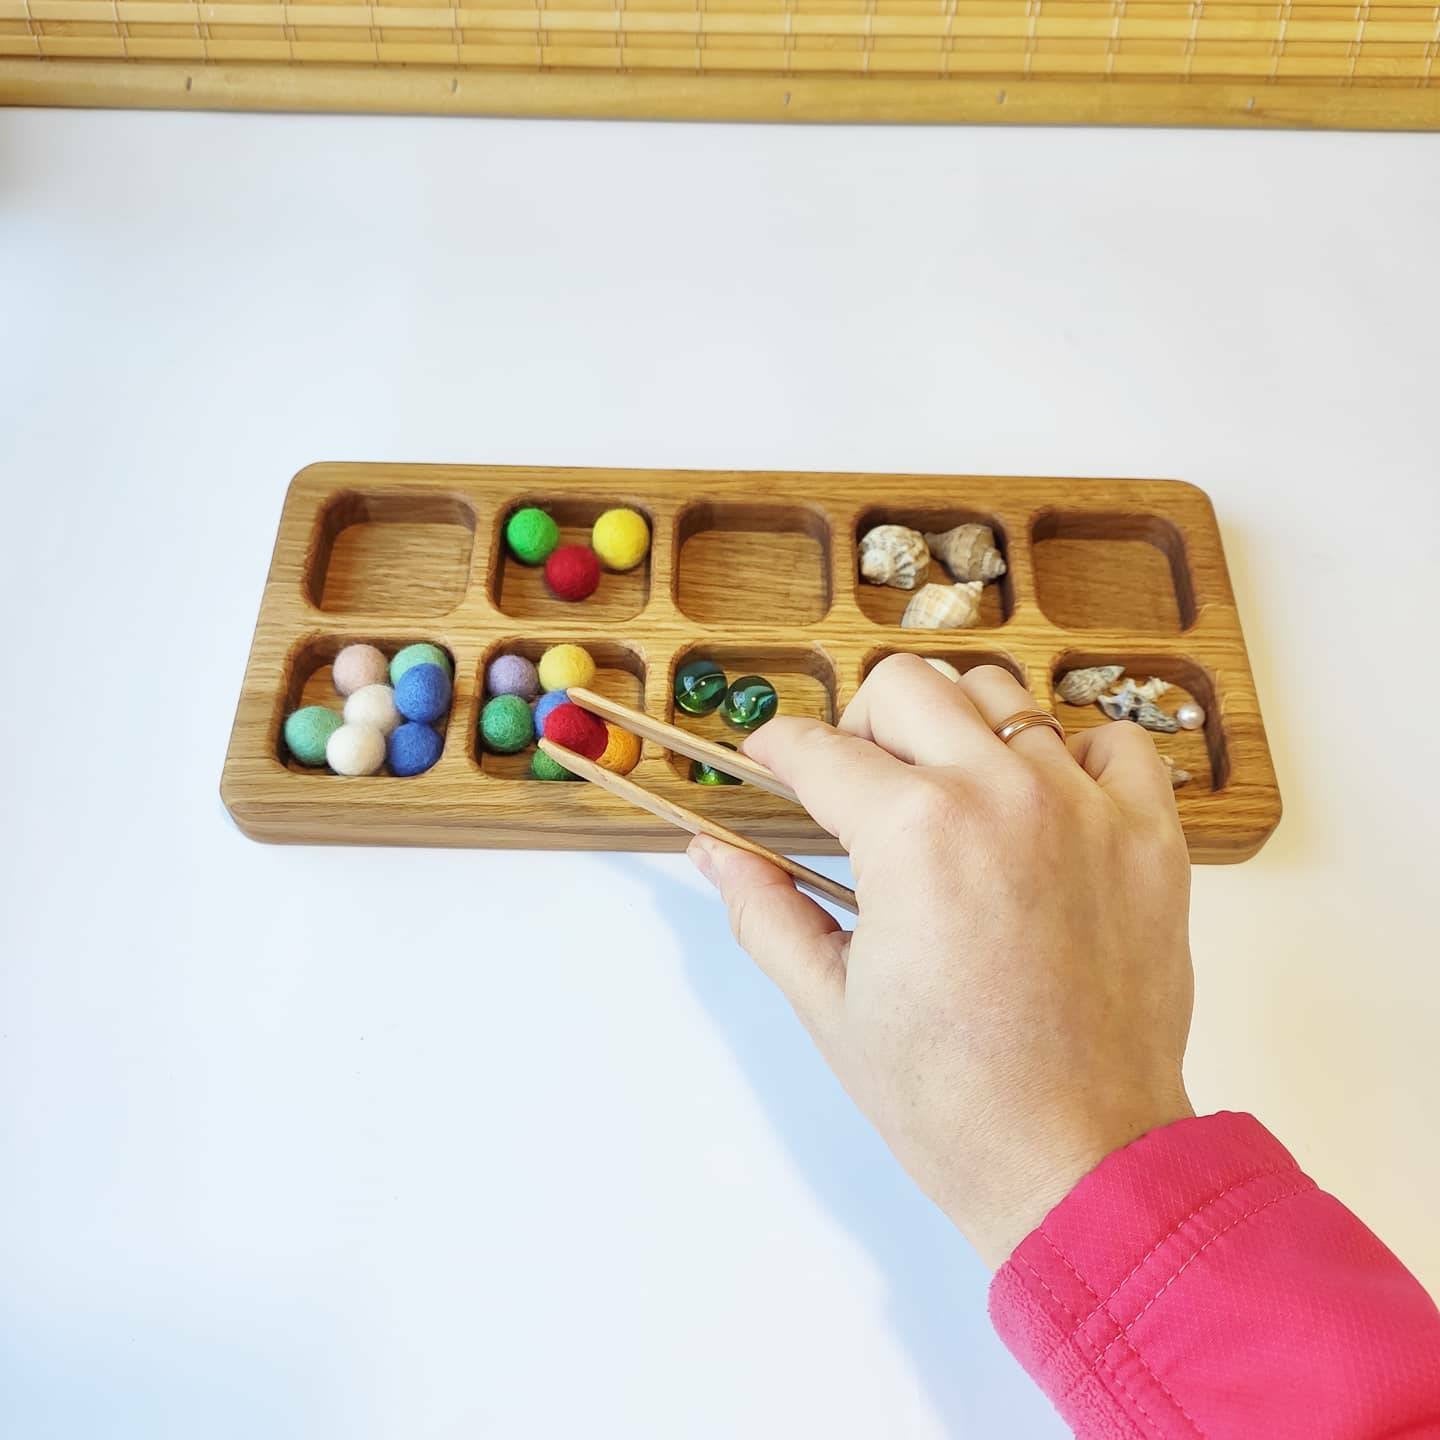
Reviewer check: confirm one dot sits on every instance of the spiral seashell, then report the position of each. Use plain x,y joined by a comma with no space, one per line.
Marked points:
1084,687
894,555
968,552
943,607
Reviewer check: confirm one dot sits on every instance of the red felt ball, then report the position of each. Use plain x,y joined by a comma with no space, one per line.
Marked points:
573,572
576,730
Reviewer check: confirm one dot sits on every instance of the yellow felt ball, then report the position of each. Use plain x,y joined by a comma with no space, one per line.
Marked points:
622,750
562,666
621,538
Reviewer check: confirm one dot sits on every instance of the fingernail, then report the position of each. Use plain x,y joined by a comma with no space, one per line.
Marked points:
701,857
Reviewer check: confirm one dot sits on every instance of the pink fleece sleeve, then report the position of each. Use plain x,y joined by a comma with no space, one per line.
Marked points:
1197,1284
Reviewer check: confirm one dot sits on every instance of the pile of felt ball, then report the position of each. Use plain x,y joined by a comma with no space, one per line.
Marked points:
619,540
528,700
392,709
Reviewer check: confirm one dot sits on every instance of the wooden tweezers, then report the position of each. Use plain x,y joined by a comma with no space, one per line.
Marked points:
731,762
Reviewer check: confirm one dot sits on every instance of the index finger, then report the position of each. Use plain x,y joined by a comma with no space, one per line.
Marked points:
839,778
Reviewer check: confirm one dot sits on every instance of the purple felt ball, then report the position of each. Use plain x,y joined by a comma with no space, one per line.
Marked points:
423,693
512,675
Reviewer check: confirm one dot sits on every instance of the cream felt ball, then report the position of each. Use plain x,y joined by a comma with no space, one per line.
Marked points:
355,750
357,666
620,538
373,705
562,666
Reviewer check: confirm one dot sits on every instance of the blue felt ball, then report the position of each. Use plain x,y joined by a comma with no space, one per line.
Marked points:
545,704
423,693
413,748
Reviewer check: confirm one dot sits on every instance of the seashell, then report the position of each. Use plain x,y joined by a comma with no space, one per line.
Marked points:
1178,776
968,552
1127,705
1152,717
1083,687
944,667
1152,689
943,607
894,555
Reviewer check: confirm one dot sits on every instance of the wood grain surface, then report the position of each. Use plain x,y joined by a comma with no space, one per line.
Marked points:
1258,66
1130,571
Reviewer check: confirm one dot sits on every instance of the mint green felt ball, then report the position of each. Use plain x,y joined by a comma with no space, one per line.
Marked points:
506,724
542,767
531,535
307,730
421,654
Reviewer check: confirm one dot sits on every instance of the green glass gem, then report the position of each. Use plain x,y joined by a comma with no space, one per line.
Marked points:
749,702
699,687
703,774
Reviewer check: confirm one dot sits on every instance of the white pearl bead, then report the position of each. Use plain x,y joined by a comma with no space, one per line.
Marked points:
1190,715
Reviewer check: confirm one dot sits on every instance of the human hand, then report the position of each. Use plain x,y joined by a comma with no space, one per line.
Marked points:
1014,1000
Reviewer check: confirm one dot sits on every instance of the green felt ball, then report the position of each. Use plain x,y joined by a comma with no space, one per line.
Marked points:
542,767
531,535
307,730
506,724
422,654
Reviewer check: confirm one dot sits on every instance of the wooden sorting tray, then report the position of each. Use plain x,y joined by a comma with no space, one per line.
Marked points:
756,571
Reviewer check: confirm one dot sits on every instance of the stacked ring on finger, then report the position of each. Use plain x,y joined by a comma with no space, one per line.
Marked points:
1022,720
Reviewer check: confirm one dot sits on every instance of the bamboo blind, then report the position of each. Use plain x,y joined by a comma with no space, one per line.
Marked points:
1142,61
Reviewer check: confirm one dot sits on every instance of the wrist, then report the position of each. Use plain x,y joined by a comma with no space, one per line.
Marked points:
1049,1169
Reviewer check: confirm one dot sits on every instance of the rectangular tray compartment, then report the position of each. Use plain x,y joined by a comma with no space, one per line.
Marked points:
1201,752
1112,572
733,558
804,682
885,604
794,614
377,554
619,674
520,591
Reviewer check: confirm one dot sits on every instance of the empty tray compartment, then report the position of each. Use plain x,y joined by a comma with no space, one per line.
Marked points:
739,563
619,675
804,682
1112,572
520,591
391,554
1201,752
884,604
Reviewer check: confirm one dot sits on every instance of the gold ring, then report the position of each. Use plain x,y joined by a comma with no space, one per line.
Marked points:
1007,730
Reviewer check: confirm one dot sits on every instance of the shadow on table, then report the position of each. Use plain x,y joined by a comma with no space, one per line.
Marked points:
937,1285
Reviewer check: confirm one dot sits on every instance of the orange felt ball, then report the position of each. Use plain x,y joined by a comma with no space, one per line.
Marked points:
622,750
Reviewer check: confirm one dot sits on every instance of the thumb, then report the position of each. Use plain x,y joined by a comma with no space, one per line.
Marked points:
796,943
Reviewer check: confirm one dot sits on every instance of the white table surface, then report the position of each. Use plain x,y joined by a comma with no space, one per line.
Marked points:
314,1143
